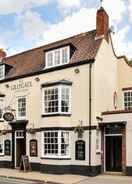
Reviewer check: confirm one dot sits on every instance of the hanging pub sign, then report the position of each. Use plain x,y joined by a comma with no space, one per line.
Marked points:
80,150
8,116
7,147
33,148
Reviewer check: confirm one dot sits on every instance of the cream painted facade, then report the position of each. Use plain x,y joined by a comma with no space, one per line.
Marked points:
90,132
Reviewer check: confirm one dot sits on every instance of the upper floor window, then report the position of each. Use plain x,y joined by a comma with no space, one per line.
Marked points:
57,57
2,72
1,107
128,100
21,107
56,99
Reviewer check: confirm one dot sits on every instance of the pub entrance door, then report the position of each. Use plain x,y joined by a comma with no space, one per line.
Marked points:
20,146
113,153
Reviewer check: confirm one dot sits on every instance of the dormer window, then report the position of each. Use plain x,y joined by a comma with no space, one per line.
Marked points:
57,57
2,72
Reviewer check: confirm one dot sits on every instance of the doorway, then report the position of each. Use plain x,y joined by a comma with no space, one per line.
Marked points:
20,146
113,153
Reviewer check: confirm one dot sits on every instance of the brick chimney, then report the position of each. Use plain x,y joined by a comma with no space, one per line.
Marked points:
102,24
2,54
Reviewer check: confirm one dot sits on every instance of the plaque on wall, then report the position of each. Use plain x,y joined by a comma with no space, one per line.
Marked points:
33,148
7,147
80,150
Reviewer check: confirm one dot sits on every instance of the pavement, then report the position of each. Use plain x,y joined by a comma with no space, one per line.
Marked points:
11,176
41,177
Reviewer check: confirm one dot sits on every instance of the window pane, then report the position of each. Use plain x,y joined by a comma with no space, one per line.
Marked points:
65,99
49,59
65,55
51,100
21,107
128,100
1,106
2,72
57,57
50,146
64,143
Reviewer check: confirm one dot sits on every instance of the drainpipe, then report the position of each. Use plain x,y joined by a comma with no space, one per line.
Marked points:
90,110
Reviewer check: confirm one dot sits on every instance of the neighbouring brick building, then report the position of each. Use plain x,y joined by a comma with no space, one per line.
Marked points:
68,106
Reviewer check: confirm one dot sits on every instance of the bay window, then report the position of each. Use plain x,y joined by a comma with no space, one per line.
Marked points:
55,144
56,99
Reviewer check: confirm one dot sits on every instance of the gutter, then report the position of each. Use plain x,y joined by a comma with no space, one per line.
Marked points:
90,110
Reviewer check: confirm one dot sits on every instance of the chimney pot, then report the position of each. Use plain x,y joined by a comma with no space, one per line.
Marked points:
102,24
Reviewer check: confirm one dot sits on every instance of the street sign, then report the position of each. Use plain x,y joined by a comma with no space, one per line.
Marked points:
8,116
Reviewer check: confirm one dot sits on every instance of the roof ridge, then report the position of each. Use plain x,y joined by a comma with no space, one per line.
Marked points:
55,42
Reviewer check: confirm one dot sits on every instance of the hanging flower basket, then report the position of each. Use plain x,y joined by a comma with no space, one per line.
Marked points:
79,130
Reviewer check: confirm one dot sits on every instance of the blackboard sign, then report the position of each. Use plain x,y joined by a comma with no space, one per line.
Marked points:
24,163
80,150
7,147
33,148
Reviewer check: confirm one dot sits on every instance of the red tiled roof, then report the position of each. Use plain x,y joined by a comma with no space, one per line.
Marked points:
34,60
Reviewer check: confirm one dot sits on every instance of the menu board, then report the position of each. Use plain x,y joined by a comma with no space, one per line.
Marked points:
7,147
33,148
24,164
80,150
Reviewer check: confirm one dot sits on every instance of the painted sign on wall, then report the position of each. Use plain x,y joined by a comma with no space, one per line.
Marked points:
21,85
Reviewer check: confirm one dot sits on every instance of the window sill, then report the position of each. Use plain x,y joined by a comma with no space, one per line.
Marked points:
55,158
57,114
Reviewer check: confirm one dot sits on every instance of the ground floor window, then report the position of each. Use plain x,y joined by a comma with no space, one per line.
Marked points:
56,144
1,145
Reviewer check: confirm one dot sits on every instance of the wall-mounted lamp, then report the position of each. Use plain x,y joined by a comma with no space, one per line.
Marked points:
7,85
77,70
37,79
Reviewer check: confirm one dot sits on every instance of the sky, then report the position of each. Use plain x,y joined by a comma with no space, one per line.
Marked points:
26,24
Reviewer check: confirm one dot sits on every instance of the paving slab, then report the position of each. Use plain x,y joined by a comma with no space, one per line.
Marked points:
36,176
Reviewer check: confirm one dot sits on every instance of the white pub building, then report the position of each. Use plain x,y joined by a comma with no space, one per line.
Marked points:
68,106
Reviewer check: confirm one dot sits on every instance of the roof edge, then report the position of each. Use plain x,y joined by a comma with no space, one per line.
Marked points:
50,70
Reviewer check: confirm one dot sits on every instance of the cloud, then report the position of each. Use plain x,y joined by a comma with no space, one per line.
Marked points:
81,21
115,9
130,9
37,31
32,25
17,6
121,44
69,6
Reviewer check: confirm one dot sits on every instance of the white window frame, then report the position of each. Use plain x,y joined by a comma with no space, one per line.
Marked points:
53,53
2,69
59,145
59,99
126,91
2,137
3,98
21,117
